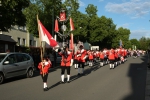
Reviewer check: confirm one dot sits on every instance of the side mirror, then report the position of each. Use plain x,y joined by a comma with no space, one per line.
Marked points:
6,62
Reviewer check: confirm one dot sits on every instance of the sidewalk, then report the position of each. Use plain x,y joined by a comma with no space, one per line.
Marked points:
147,90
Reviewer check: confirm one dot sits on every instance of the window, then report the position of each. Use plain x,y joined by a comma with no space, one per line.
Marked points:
18,41
24,42
19,58
24,28
11,58
25,57
2,57
34,43
30,42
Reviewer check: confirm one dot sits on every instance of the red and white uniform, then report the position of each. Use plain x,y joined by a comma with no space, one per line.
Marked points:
81,54
45,68
101,55
66,61
90,55
111,55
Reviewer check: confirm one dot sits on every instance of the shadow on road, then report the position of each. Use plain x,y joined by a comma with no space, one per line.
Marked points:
36,73
87,71
137,73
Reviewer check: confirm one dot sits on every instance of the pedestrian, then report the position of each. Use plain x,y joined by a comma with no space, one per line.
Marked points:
44,67
82,55
65,63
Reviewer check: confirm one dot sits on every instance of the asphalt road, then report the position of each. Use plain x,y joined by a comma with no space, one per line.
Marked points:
125,82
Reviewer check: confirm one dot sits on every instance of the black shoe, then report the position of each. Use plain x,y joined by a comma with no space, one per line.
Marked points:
62,82
68,81
45,89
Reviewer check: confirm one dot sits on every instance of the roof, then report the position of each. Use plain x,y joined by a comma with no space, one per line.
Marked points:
6,38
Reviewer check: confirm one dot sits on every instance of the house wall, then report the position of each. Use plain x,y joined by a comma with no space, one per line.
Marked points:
22,37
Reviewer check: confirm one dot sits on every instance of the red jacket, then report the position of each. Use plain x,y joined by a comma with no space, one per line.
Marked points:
66,62
101,55
111,55
90,54
46,67
81,54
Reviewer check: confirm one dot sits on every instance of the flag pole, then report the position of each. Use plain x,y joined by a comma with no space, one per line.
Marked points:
41,48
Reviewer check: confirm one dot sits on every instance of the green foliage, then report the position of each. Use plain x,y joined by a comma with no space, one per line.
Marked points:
135,42
89,27
144,43
44,9
11,11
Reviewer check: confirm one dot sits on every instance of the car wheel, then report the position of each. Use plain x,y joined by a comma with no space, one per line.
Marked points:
30,73
1,78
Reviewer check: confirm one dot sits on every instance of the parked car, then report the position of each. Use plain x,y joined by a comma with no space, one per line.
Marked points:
15,64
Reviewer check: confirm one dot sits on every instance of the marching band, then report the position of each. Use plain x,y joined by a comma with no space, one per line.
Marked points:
113,57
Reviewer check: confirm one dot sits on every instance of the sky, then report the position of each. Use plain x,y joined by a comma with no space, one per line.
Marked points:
131,14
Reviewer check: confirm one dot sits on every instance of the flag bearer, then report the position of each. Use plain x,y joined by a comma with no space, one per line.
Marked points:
44,68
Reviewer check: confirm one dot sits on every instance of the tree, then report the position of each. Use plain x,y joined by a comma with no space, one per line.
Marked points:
91,10
135,42
44,9
144,43
11,13
124,34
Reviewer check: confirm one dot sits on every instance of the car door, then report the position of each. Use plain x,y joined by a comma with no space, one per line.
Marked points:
23,63
10,66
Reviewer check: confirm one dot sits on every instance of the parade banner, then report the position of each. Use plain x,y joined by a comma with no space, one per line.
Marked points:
56,26
62,16
71,25
71,42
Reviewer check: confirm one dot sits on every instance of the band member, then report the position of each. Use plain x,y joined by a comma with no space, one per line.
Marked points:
90,55
97,55
111,58
75,61
105,51
116,57
81,54
44,68
101,56
65,63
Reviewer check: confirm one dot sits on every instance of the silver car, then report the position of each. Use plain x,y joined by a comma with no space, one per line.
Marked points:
15,64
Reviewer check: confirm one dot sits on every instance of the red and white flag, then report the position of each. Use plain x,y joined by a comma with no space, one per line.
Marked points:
56,26
71,25
71,42
44,35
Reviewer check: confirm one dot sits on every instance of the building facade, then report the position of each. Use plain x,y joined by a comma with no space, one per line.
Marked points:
19,37
22,37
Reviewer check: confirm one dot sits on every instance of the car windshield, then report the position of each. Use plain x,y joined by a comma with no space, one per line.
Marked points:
2,56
